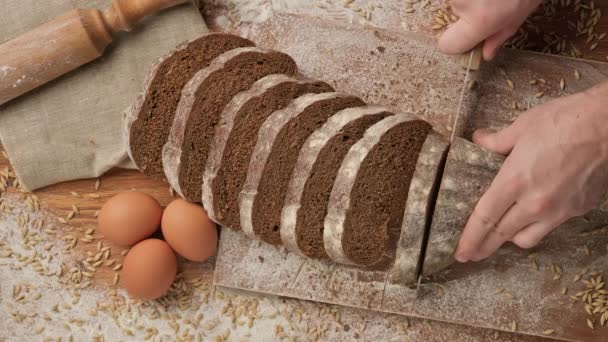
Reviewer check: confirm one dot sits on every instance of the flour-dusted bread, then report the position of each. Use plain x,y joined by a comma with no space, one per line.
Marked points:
468,173
148,122
279,142
367,201
313,177
202,102
419,208
236,136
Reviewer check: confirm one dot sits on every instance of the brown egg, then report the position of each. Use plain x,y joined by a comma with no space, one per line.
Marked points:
189,231
149,269
129,217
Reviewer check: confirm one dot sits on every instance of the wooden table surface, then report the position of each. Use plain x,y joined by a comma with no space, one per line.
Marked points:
60,199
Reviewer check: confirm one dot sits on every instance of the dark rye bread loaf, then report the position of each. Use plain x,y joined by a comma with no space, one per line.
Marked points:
236,136
418,208
313,177
200,107
279,142
148,122
468,173
367,201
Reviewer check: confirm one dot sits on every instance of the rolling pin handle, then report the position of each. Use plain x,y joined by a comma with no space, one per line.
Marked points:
77,37
123,15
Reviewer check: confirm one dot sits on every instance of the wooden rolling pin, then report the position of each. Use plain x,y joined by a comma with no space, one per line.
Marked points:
67,42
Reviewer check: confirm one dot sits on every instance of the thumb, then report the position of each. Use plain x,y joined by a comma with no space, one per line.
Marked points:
460,37
495,41
500,142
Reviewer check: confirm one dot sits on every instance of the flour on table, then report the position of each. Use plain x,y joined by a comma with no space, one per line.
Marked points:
38,301
391,14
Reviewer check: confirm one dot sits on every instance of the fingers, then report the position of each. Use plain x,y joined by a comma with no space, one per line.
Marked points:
460,38
460,7
533,234
493,43
501,142
504,141
487,213
479,22
516,219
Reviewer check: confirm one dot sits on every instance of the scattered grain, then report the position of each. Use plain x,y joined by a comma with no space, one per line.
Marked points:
534,264
549,332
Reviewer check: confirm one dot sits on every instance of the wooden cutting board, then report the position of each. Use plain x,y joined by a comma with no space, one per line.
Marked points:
404,71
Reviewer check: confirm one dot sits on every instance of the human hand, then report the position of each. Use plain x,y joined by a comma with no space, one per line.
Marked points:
488,21
557,168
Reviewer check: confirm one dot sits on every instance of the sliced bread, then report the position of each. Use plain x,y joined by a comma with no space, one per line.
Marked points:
148,122
469,171
367,201
313,177
279,142
418,209
202,102
236,136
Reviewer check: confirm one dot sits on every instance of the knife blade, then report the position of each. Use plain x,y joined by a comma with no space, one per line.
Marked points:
470,61
473,59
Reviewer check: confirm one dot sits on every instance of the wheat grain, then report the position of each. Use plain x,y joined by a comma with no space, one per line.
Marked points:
548,332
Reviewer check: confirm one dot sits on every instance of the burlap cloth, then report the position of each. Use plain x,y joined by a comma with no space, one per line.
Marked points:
71,128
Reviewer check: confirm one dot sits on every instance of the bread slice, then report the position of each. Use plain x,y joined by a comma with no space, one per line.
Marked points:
367,201
236,136
148,122
279,141
313,177
202,102
418,209
469,171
